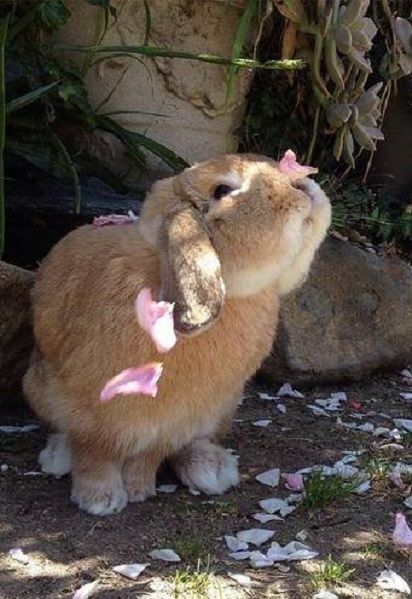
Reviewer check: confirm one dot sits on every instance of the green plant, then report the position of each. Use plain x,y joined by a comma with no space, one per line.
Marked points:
322,490
193,584
330,573
49,120
190,547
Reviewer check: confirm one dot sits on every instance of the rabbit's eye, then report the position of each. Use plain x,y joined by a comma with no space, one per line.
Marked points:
221,191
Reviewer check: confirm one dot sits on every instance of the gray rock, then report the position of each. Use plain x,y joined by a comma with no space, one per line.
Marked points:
351,317
16,339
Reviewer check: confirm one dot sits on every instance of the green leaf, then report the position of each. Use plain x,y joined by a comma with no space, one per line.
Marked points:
133,142
3,35
240,40
153,51
29,98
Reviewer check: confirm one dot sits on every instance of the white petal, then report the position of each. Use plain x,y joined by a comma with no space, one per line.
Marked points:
403,423
266,396
4,468
316,411
240,555
166,555
408,502
323,594
130,570
263,518
262,423
294,551
406,396
86,591
234,544
339,395
256,536
281,407
273,504
287,391
167,488
389,580
363,487
367,427
302,535
27,428
18,554
381,431
270,477
285,511
259,560
242,579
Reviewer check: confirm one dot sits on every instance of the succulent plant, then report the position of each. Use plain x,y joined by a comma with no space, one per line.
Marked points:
356,121
403,32
354,33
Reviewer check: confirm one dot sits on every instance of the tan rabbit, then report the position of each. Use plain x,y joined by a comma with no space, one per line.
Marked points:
223,240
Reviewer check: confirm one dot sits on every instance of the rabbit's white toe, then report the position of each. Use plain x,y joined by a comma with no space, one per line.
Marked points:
56,457
108,497
207,467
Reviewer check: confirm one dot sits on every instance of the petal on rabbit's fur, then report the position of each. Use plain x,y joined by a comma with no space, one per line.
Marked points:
134,380
290,166
115,219
156,318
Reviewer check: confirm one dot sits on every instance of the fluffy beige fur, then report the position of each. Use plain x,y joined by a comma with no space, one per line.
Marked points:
225,263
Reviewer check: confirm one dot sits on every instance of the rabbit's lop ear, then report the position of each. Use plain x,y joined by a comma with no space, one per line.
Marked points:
190,271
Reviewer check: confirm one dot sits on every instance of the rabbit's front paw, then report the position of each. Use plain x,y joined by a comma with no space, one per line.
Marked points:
206,467
56,457
139,475
100,498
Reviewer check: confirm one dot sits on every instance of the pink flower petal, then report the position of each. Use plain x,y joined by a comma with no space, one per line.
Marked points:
290,166
114,219
134,380
402,535
396,479
294,482
156,318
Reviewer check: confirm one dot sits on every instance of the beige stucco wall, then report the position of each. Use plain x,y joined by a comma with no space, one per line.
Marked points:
192,116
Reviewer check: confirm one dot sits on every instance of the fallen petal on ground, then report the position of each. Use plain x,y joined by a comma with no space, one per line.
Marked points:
269,478
287,391
402,535
256,536
234,544
86,591
263,518
294,482
242,579
130,570
261,423
167,488
18,554
166,555
390,581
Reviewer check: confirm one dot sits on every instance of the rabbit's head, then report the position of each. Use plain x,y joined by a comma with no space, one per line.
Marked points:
231,226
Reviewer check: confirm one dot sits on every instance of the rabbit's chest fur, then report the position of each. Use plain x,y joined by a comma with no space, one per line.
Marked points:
86,332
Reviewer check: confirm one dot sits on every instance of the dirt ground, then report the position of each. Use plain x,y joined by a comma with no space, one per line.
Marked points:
68,548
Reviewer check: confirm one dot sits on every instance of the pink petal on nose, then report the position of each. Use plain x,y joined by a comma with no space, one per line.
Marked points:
288,165
402,535
143,380
156,318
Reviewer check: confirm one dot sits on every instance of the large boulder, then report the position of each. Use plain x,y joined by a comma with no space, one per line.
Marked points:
16,339
351,317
